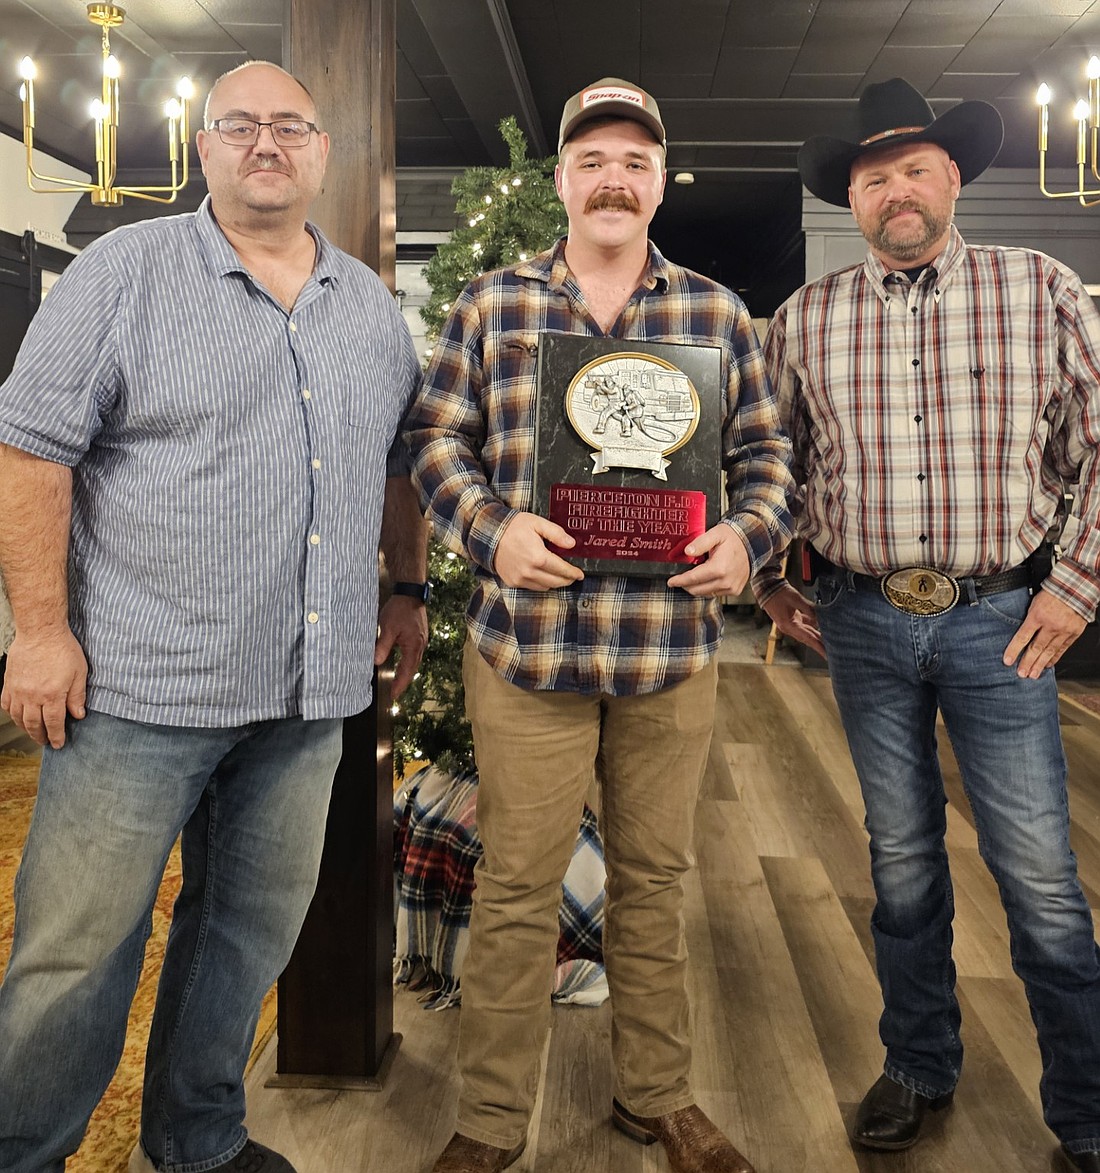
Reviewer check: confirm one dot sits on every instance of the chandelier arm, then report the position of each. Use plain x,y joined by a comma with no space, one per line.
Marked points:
142,193
68,189
1061,195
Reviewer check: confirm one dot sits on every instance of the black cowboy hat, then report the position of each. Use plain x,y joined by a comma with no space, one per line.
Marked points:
892,112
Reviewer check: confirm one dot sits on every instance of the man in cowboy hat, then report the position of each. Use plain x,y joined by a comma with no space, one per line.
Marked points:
940,397
568,674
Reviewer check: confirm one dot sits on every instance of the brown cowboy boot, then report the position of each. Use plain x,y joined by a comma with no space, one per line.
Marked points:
463,1155
692,1141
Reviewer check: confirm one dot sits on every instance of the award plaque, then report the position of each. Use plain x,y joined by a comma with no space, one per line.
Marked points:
628,449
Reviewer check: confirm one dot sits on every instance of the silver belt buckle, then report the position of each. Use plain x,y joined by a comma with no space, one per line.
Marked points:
920,590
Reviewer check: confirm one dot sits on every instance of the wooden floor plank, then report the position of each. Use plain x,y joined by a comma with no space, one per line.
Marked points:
837,981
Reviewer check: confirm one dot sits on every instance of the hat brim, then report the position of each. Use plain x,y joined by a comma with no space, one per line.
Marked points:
971,133
612,109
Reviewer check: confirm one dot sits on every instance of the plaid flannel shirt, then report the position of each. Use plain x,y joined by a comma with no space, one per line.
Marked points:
471,432
938,423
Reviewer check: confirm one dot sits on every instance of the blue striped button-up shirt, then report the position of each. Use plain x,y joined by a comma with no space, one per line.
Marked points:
229,461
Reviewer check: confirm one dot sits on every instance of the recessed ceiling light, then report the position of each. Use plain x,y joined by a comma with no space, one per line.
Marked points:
683,177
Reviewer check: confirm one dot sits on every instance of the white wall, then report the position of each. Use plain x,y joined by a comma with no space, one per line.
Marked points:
416,289
21,208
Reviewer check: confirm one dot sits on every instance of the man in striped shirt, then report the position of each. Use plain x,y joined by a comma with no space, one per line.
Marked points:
941,399
197,428
567,674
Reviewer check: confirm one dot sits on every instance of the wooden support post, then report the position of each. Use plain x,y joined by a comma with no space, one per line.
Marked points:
336,996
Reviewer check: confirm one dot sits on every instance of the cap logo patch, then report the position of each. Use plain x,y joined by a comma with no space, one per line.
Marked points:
611,94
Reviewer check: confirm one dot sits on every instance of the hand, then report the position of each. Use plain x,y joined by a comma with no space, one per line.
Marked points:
795,616
1049,627
402,624
725,570
522,559
44,680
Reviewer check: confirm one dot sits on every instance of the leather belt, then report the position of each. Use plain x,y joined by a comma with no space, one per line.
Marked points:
921,590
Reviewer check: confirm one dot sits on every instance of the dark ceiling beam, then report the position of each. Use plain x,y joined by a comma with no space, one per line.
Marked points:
530,116
478,48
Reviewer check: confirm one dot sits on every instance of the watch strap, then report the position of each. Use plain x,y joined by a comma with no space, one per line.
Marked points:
415,590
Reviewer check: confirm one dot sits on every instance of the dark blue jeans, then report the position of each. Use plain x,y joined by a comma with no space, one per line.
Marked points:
891,673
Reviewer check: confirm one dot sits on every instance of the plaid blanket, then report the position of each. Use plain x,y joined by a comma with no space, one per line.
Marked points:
436,846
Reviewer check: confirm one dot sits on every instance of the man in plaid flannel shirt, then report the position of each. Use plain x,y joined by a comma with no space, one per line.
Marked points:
567,674
941,398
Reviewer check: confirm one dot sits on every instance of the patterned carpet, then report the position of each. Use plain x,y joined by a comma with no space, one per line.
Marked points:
113,1130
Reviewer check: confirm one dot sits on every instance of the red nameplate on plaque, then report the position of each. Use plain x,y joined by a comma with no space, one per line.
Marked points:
650,525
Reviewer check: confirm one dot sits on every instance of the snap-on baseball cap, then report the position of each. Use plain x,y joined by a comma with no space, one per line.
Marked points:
610,97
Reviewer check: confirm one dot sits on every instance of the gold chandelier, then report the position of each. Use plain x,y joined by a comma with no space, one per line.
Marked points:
1087,117
105,114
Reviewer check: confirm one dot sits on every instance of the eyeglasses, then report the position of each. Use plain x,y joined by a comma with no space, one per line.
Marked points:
244,132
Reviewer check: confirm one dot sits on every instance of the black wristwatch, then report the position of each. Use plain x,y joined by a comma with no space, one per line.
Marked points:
415,590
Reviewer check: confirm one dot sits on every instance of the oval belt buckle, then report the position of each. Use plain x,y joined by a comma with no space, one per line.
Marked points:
920,590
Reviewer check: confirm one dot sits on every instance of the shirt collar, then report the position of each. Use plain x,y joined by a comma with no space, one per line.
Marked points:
942,267
222,259
550,266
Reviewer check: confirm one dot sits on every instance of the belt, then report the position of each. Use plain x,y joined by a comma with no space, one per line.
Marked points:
920,590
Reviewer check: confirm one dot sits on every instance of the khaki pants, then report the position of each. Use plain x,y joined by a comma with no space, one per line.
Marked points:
536,755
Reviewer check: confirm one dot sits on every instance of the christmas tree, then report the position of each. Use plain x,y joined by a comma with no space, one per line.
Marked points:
507,214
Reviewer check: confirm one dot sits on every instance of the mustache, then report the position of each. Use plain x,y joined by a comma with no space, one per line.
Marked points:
908,206
612,201
267,163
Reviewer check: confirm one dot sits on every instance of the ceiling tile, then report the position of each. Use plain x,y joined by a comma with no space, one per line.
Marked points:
921,67
752,72
822,85
985,86
940,22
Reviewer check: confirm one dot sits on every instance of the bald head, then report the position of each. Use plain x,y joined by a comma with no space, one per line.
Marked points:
309,110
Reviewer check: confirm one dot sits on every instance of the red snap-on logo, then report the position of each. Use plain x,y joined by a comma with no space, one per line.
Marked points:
611,94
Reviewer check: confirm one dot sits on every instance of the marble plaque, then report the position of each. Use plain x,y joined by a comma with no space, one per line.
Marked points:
628,449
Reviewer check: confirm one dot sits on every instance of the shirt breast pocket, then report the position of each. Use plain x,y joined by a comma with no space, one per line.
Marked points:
372,381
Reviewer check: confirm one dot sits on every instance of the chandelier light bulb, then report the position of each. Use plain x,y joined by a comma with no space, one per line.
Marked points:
97,109
1093,68
23,92
27,69
111,67
1043,95
1081,111
185,89
172,108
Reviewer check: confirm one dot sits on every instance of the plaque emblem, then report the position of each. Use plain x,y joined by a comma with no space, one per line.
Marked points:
633,410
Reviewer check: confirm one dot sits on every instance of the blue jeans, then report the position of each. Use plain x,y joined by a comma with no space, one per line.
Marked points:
250,803
890,673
